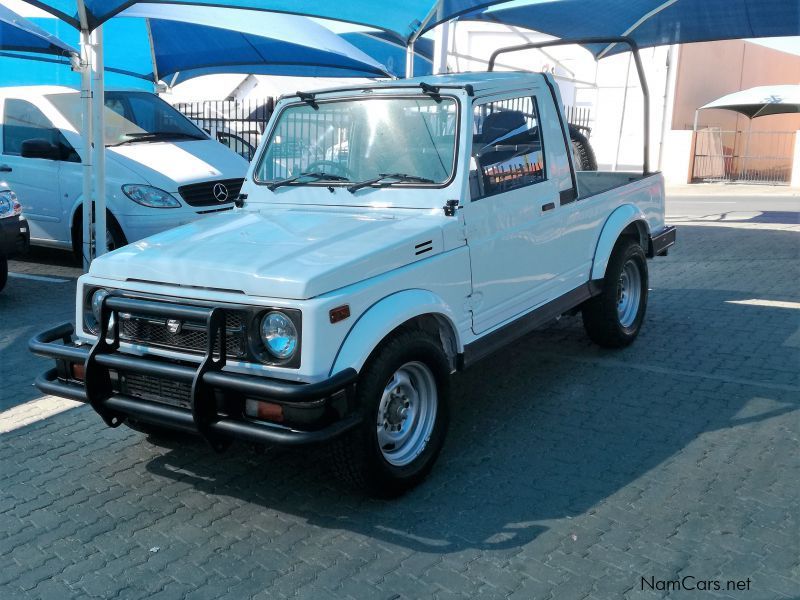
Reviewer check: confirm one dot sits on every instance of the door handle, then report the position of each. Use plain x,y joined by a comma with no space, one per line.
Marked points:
548,206
5,169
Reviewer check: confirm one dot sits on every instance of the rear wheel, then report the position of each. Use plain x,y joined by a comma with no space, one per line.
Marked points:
613,319
403,394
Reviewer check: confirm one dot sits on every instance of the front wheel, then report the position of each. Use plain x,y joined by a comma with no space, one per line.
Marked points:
613,319
403,395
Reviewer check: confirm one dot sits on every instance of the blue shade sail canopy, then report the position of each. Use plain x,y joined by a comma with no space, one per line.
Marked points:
190,41
387,50
649,22
21,35
233,41
402,18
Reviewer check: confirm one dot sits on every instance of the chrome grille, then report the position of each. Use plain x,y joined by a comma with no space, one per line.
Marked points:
202,194
192,337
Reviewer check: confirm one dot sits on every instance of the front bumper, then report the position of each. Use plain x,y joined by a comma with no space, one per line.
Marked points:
15,236
215,398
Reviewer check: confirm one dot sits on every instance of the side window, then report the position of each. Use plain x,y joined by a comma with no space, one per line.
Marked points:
23,121
507,151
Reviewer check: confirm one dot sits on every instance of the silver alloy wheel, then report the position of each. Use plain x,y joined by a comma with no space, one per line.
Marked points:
629,293
407,413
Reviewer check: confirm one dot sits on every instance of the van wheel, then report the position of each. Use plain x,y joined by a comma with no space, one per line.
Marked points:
613,319
403,394
3,272
115,238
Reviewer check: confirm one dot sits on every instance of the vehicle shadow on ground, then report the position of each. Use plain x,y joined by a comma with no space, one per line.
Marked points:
777,217
534,437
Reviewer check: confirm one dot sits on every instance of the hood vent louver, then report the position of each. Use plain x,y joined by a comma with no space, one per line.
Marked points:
423,247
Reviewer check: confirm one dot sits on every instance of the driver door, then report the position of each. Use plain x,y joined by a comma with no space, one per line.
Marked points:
513,217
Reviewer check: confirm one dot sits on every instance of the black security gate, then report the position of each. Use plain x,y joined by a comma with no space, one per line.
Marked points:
239,124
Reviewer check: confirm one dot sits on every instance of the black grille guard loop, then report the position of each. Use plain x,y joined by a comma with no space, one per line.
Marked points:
115,407
204,411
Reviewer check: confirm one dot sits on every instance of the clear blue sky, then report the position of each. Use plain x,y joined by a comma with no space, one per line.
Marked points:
785,44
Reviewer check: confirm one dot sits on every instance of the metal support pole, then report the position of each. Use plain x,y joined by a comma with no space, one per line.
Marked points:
410,59
622,113
441,48
669,84
86,151
98,131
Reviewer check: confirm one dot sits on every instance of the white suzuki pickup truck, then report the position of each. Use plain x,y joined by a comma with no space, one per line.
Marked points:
425,224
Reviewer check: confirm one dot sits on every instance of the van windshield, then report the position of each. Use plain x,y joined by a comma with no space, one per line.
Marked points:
362,139
131,117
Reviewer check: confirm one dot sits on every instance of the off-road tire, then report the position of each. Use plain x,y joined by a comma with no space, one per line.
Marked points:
356,456
582,151
601,317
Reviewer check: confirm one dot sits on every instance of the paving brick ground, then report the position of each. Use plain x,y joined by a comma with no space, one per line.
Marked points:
570,472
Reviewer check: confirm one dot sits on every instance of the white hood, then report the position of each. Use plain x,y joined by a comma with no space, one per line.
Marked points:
293,253
169,165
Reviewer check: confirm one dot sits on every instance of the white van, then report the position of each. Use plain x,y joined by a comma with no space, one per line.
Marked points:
161,170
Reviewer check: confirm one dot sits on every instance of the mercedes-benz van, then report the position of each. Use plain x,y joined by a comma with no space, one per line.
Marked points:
161,170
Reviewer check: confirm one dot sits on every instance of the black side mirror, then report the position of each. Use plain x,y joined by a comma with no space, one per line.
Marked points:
40,148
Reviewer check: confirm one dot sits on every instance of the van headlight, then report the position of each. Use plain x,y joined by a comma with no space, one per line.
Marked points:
150,196
278,334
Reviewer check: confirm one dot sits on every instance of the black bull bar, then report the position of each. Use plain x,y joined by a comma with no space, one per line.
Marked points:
206,379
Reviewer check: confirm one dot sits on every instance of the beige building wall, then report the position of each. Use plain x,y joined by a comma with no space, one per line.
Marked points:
707,71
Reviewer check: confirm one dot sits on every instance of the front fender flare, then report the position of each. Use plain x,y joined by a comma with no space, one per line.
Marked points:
616,223
383,317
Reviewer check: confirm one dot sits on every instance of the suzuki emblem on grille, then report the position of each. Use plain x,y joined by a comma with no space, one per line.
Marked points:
174,326
220,192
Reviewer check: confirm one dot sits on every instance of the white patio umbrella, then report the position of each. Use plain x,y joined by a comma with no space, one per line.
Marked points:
760,101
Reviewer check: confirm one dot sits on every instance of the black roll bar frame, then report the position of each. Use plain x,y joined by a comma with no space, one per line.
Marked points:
630,42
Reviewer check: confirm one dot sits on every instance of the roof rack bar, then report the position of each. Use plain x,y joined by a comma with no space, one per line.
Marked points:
630,42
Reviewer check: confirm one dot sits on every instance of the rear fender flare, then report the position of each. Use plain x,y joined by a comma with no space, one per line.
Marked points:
616,223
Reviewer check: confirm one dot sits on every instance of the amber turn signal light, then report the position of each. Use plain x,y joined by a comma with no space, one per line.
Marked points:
340,313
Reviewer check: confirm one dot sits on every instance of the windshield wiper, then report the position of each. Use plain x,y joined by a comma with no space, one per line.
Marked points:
146,136
397,177
312,175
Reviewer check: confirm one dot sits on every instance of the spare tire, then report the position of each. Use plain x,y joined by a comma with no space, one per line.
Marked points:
582,153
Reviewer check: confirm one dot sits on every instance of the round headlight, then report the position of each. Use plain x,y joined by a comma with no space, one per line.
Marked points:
279,335
97,303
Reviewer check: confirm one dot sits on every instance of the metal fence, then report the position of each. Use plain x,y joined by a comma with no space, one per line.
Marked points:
239,124
579,116
743,156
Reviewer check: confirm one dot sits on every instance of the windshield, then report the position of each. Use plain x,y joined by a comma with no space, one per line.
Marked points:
131,117
363,139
